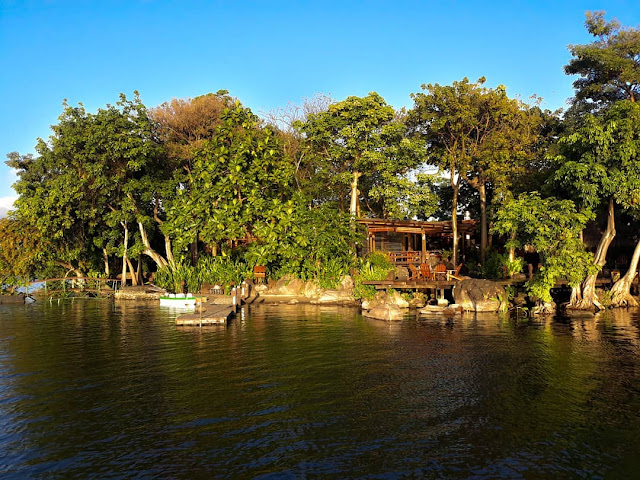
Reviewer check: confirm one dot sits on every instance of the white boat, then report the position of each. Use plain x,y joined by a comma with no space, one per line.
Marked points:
178,300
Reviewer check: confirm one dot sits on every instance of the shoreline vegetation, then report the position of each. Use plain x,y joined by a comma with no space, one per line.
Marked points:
201,191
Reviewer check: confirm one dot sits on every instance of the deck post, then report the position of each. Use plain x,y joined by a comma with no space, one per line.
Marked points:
424,248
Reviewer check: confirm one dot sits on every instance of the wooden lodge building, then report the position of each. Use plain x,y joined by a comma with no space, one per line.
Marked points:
415,242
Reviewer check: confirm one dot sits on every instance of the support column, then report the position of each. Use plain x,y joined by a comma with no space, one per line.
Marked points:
424,247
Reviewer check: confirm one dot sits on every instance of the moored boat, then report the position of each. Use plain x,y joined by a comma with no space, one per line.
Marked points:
179,300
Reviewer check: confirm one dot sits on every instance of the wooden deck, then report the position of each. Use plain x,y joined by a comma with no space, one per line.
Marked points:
411,284
208,314
441,284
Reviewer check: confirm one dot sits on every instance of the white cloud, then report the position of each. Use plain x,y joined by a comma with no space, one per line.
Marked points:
6,204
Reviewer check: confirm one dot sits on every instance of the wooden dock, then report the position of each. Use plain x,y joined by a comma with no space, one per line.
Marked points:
206,315
442,284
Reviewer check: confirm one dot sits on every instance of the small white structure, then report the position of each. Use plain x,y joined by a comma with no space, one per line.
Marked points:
179,300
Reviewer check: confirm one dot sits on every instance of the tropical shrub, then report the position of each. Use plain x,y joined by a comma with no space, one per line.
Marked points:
374,267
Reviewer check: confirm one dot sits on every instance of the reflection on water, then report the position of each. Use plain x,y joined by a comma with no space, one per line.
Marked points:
103,389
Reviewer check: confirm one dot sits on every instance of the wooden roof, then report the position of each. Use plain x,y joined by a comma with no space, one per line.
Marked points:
431,229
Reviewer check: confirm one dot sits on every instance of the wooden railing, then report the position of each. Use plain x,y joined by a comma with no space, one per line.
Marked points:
405,258
415,258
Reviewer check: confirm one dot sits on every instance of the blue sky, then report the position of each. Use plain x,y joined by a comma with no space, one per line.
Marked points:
271,53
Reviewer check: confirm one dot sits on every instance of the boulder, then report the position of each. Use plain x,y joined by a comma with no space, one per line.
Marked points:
432,310
311,290
334,296
396,299
479,295
287,285
417,302
385,312
544,308
347,285
381,299
402,274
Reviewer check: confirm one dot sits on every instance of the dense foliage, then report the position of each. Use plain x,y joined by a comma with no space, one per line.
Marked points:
202,190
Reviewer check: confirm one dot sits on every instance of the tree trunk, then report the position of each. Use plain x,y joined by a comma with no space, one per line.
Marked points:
167,240
588,299
354,194
454,218
132,272
106,262
124,254
482,190
139,270
148,251
621,290
512,247
193,248
169,251
70,268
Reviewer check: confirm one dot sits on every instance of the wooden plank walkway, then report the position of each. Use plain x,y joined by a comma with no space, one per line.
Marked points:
210,314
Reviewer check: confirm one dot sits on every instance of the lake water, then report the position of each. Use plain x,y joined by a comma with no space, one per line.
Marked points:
102,389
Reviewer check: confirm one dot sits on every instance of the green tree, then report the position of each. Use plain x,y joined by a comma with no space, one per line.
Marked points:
553,228
609,67
360,152
87,180
21,251
238,178
599,163
184,126
476,134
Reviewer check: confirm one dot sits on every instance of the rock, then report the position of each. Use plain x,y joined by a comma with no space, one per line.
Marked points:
385,312
12,299
402,274
369,304
443,302
417,302
293,301
453,310
396,299
544,308
311,290
347,285
287,285
260,287
479,295
334,296
432,310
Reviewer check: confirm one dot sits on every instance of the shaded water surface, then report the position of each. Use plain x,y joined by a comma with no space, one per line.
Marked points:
96,389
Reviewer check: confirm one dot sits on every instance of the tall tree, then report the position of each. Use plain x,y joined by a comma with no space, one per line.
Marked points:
88,179
553,227
238,178
360,148
609,70
476,134
184,126
599,164
21,251
609,67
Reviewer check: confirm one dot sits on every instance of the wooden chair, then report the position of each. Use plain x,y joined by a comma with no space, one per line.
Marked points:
440,272
425,270
415,273
259,273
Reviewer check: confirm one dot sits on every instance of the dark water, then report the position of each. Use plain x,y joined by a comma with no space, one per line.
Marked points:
95,389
